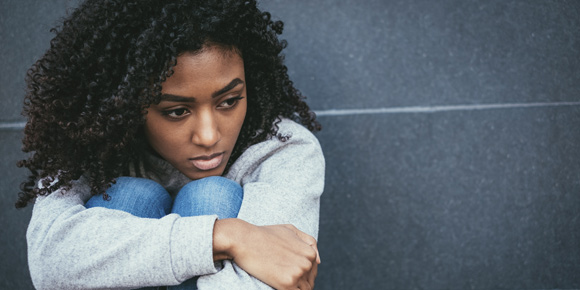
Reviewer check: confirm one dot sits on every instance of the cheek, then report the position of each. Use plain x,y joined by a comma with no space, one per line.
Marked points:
156,138
158,135
240,117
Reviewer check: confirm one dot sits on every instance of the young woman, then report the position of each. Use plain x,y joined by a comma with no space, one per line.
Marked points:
169,147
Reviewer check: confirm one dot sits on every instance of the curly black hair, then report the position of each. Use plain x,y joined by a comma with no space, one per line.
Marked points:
87,95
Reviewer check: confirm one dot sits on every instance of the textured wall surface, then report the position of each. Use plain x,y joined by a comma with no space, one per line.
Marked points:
451,134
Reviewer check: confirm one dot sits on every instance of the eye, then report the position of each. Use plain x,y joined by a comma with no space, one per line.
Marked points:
230,103
176,113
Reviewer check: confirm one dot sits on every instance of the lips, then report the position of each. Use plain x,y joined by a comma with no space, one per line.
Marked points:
208,162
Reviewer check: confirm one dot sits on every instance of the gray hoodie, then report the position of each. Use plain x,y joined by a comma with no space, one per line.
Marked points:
71,247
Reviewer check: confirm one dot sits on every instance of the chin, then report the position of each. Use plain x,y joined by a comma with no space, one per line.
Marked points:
199,175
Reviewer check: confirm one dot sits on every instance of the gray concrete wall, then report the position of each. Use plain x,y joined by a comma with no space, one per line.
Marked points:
451,132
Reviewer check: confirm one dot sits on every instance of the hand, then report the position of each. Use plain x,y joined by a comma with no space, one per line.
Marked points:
280,255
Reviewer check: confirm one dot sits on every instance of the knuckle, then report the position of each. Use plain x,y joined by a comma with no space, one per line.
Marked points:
289,280
302,268
310,254
305,266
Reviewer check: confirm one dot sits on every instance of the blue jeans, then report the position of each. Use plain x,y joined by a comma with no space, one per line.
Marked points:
146,198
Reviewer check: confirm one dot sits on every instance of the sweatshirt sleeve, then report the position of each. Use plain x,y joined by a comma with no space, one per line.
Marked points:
282,183
71,247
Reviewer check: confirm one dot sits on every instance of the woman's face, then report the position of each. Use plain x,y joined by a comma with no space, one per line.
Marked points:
202,109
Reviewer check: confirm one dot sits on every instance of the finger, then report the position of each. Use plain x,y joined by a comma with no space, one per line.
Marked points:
310,241
312,274
304,285
315,246
306,237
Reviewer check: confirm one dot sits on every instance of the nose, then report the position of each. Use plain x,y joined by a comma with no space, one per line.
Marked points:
206,130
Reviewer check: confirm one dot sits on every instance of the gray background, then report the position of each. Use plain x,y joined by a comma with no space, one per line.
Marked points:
451,134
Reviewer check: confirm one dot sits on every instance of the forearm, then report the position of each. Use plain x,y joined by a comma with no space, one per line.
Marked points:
72,247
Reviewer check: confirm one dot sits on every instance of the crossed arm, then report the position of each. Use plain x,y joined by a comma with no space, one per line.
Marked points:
71,247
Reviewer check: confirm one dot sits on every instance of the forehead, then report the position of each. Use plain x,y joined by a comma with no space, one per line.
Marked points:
210,68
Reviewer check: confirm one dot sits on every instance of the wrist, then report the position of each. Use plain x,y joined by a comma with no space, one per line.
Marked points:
226,236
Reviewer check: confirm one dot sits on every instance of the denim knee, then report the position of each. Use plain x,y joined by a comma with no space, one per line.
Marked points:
211,195
138,196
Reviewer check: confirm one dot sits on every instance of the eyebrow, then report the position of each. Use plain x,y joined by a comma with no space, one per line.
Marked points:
175,98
